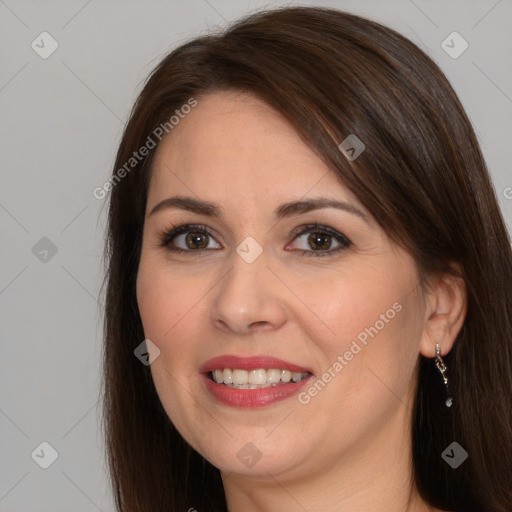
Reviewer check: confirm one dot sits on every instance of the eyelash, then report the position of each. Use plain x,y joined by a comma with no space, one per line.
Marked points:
167,236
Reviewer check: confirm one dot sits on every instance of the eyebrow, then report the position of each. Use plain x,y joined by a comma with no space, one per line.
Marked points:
285,210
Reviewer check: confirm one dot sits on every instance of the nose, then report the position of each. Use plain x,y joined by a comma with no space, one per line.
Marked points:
248,299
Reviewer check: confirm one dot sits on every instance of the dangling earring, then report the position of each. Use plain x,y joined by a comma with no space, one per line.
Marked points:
442,369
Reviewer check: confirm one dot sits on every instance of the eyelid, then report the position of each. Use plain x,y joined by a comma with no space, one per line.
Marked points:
343,240
316,227
167,236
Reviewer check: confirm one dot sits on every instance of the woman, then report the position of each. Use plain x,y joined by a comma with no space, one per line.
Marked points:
306,255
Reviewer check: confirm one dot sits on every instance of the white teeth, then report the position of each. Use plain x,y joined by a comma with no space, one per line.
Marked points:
257,376
227,376
240,377
218,376
273,375
296,376
255,379
286,375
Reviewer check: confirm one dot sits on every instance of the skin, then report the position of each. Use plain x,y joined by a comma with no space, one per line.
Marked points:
348,449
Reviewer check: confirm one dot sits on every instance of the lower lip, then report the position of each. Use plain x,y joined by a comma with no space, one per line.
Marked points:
253,397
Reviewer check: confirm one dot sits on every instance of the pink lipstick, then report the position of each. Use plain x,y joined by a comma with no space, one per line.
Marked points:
253,381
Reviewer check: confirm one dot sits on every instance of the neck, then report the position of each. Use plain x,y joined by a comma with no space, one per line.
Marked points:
377,476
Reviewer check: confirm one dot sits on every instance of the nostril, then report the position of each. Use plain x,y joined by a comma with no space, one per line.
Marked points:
260,325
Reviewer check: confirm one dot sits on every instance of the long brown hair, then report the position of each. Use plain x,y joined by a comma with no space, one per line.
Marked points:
422,176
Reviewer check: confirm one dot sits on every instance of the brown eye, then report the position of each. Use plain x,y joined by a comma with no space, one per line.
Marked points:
320,241
188,238
317,240
196,240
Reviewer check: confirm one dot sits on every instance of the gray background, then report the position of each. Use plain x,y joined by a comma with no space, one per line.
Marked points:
62,119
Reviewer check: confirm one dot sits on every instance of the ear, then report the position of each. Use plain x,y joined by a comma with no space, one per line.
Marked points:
446,308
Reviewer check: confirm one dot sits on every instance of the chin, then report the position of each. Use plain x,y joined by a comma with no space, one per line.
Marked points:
257,458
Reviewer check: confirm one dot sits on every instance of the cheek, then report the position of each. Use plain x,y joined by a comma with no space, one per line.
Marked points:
164,300
360,307
166,305
367,328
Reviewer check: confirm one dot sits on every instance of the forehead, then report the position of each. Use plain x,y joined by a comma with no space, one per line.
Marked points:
234,145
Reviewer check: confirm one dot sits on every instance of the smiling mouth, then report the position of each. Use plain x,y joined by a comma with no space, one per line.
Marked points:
255,379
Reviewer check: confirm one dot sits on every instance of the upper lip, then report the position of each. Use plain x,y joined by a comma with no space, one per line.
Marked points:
250,363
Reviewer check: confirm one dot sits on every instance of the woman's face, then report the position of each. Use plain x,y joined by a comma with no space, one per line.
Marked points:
292,280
